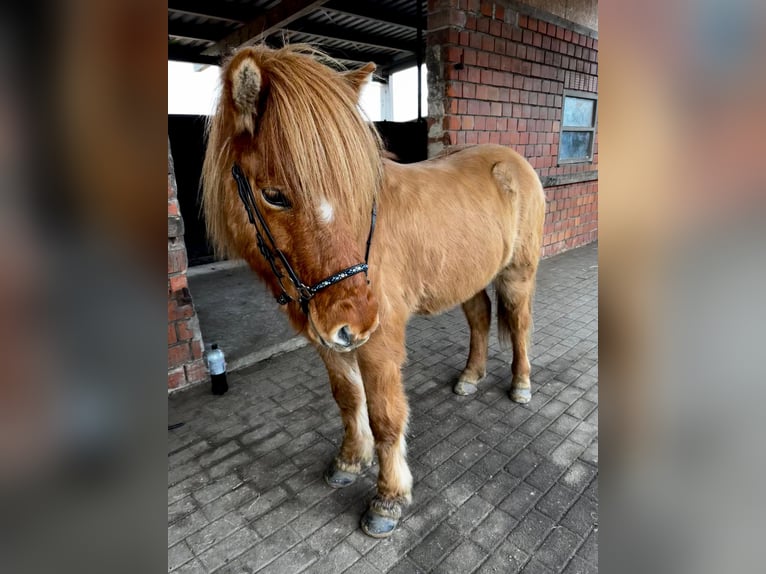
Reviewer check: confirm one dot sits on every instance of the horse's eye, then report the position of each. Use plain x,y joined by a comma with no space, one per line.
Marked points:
275,197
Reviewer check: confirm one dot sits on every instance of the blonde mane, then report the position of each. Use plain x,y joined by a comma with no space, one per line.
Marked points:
308,132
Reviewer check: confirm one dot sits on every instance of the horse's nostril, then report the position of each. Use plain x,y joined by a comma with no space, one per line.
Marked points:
343,336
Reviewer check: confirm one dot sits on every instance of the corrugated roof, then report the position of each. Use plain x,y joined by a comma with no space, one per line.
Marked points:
351,30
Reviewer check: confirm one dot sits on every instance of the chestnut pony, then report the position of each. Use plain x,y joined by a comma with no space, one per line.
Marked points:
288,140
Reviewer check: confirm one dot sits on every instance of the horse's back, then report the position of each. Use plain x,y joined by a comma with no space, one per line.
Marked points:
463,214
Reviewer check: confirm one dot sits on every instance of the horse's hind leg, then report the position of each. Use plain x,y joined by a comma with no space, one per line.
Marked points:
357,450
478,311
515,288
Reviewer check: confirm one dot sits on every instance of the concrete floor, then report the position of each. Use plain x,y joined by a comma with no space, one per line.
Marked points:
499,487
236,311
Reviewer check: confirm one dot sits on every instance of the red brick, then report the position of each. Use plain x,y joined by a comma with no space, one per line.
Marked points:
542,27
482,25
469,91
176,261
527,37
464,38
452,123
496,108
185,330
480,123
507,31
196,372
482,59
482,92
469,57
176,378
197,349
494,61
496,28
483,137
177,282
486,9
454,54
471,138
454,90
173,208
467,122
177,312
178,355
499,12
523,20
171,334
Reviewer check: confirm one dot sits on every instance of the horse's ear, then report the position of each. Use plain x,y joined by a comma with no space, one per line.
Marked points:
357,78
246,86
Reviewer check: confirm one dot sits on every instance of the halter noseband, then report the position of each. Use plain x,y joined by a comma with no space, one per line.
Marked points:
271,252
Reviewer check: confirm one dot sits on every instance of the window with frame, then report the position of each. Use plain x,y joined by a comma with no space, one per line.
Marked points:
578,127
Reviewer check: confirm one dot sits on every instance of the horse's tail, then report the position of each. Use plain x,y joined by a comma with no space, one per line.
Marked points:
514,304
515,284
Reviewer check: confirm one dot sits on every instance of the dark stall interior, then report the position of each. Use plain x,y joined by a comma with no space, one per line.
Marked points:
407,141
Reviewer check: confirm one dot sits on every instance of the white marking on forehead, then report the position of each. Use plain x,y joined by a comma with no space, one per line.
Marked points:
325,211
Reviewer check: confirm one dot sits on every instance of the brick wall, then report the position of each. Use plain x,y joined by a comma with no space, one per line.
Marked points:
497,74
185,348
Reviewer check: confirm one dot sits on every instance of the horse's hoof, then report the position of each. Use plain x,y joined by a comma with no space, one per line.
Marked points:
465,388
523,395
337,478
381,518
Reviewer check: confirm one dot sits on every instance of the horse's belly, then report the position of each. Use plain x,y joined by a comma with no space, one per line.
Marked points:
458,282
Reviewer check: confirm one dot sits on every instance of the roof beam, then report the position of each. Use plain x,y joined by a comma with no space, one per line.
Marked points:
191,54
374,40
208,32
217,10
374,12
341,54
281,15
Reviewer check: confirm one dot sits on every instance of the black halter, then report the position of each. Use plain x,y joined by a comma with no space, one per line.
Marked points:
271,252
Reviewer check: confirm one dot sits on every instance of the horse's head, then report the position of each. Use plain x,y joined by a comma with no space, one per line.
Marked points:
292,126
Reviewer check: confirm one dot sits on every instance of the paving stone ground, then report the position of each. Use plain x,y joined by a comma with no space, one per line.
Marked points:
499,487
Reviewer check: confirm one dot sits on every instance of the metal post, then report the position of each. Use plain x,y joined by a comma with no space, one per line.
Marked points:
419,12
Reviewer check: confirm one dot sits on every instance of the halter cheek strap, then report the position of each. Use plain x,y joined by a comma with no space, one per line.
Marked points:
272,253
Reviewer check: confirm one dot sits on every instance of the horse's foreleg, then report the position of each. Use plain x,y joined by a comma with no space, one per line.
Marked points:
380,361
357,450
478,311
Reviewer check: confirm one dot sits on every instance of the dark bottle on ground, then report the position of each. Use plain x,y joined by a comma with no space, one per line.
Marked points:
216,364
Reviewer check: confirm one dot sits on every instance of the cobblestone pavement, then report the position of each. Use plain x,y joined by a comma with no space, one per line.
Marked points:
499,487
